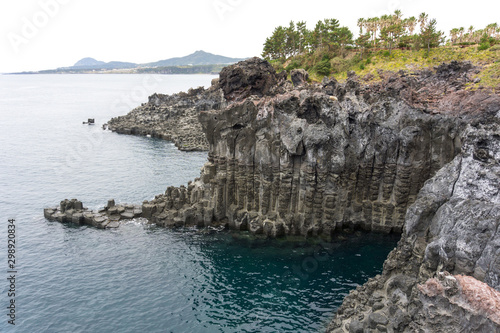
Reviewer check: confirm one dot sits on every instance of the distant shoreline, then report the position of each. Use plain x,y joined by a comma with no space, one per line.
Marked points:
199,69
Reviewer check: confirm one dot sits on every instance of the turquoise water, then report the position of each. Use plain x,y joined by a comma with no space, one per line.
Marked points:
140,278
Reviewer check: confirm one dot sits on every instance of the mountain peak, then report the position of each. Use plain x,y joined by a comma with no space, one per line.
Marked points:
199,57
86,62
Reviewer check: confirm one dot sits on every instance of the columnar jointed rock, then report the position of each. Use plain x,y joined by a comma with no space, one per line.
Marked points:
72,211
313,160
453,226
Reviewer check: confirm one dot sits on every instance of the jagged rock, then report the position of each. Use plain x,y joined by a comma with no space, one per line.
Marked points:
72,211
452,227
254,76
172,117
299,77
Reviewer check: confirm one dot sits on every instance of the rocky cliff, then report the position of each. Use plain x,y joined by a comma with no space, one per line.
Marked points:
171,117
415,153
312,159
452,228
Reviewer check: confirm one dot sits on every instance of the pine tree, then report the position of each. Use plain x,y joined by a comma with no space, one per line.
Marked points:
430,36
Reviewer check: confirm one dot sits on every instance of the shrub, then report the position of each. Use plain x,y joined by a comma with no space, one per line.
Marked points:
362,66
323,68
339,65
293,65
483,46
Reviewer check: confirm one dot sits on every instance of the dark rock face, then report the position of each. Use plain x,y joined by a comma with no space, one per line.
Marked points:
453,226
254,76
318,158
299,77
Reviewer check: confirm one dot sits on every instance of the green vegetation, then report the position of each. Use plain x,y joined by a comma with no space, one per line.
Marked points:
387,43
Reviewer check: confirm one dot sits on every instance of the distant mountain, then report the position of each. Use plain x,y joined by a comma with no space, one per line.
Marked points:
88,62
197,58
91,63
198,62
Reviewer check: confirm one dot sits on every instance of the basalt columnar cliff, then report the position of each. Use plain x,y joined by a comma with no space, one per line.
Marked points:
415,154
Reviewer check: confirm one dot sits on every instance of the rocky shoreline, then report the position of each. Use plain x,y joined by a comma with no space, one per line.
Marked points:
171,117
416,154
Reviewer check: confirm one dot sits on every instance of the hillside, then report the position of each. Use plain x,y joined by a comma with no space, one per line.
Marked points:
196,58
387,43
374,65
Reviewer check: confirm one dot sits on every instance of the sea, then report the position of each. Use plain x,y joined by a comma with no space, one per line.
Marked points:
58,277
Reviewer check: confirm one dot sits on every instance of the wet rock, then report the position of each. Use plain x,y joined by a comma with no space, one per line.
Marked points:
75,213
127,215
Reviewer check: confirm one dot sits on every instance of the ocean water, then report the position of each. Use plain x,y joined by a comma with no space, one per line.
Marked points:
140,278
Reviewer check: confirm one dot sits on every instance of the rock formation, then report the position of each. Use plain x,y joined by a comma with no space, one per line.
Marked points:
72,211
414,153
171,117
453,226
316,159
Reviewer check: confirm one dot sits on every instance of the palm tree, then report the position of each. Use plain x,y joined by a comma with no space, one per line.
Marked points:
361,24
454,35
461,31
469,36
373,27
411,23
491,29
422,19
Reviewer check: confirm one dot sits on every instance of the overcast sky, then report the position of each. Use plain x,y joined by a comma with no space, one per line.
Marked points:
46,34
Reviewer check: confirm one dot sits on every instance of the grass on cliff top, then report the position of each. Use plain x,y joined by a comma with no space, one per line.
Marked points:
368,66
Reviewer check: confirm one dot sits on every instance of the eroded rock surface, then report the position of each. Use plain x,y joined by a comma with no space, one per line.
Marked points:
171,117
453,226
315,159
110,216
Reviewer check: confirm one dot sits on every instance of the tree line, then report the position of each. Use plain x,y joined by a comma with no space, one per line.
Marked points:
384,32
462,36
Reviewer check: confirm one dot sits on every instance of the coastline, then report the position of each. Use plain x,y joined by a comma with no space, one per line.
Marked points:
314,159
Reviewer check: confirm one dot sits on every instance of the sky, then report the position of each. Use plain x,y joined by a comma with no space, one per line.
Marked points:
46,34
